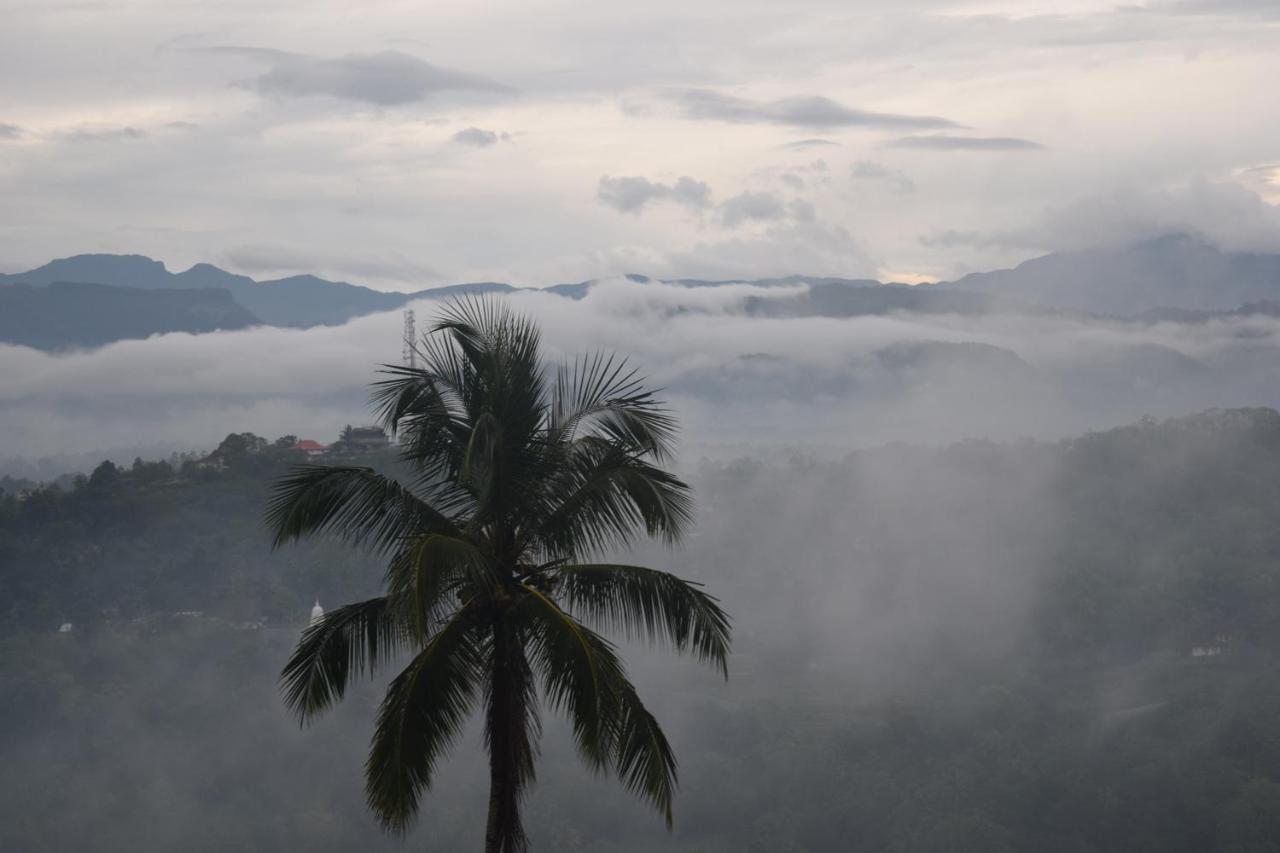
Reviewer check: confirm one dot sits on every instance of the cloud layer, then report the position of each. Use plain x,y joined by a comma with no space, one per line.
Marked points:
738,377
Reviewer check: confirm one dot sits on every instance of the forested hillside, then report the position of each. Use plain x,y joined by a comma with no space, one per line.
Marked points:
983,647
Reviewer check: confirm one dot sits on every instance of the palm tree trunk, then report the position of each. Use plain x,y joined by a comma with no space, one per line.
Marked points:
510,752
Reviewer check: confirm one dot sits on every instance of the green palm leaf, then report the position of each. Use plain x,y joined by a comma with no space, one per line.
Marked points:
576,664
419,719
651,603
604,495
430,567
359,505
643,758
348,641
600,395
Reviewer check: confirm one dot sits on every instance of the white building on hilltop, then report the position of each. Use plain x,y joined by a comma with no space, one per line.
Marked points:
317,613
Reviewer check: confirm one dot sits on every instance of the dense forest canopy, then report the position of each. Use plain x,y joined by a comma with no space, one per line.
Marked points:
1052,646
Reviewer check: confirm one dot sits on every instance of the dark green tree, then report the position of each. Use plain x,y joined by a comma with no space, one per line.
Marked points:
520,479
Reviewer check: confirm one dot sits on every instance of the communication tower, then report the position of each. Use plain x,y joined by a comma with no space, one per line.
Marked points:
410,353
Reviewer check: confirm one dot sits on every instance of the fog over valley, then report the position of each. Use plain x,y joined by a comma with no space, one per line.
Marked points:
698,427
746,365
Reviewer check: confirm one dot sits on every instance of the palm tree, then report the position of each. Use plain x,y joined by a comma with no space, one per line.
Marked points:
518,480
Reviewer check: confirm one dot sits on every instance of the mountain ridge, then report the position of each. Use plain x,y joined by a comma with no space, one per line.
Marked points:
1176,278
65,315
1175,271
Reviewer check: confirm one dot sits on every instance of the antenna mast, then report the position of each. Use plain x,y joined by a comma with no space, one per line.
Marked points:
410,352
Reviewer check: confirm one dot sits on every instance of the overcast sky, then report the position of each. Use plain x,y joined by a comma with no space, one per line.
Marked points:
404,144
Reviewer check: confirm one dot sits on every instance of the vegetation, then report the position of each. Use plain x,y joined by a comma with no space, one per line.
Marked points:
982,647
516,484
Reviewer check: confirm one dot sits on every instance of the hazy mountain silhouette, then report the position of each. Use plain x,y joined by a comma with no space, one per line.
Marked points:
301,300
1176,271
1176,278
66,315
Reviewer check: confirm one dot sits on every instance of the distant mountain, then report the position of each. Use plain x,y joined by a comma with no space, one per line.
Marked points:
1170,279
304,301
1178,272
301,301
65,315
120,270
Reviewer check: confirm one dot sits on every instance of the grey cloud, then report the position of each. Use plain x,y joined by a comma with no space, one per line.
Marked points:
479,138
387,78
799,111
753,206
966,143
692,193
100,134
869,170
9,131
631,193
1225,215
765,207
802,210
949,238
792,180
803,144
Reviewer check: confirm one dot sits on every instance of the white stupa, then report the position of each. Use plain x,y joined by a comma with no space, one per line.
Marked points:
317,612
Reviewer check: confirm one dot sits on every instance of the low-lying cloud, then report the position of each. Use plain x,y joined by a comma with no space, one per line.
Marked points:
737,377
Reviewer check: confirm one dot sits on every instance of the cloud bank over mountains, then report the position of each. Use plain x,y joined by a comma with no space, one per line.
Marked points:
741,367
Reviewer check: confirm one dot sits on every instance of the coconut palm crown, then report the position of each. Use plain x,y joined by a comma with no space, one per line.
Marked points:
520,478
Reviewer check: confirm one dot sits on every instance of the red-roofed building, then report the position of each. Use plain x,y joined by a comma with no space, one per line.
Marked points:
311,448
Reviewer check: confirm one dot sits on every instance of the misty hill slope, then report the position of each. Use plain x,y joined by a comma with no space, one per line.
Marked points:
1177,271
65,315
981,648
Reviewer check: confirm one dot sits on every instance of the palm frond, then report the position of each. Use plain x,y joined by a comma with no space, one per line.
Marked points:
583,676
601,395
651,603
348,641
604,495
359,505
425,409
643,758
430,567
576,665
420,717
